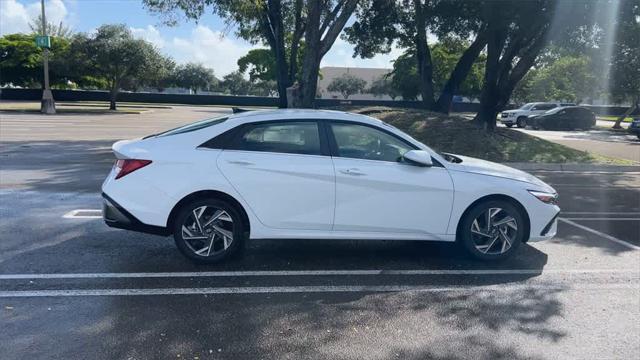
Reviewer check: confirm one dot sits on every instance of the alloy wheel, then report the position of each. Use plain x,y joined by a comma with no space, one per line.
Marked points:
208,231
494,231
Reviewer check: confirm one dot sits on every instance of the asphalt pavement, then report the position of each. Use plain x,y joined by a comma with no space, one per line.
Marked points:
72,288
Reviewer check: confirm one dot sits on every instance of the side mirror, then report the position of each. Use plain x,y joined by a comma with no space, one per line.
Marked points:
418,158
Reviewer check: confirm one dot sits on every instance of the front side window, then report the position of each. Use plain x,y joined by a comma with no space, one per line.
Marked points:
364,142
284,137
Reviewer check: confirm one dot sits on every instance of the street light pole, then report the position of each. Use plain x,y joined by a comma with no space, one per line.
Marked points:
48,104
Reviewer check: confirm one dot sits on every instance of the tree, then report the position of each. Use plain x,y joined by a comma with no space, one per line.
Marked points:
568,78
518,31
113,53
625,66
60,30
382,23
383,86
194,77
404,77
516,35
21,60
279,24
347,85
445,55
261,65
325,21
235,84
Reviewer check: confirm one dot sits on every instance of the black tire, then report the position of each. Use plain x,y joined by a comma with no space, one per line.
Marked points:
509,125
186,215
468,240
521,122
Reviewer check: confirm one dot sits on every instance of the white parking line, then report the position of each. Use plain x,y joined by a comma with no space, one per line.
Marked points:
601,218
311,273
74,214
304,289
601,234
628,213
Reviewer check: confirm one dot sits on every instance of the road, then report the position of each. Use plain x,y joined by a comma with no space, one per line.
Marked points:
73,288
620,145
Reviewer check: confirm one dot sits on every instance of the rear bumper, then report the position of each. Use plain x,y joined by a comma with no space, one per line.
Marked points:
116,216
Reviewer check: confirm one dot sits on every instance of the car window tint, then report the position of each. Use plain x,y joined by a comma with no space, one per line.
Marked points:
364,142
544,107
284,137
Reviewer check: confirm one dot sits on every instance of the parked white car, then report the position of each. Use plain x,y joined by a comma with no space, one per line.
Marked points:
307,174
519,116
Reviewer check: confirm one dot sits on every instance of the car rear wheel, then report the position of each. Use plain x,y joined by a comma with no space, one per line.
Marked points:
492,230
521,122
208,230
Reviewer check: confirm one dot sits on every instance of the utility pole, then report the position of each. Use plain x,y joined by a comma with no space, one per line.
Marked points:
48,104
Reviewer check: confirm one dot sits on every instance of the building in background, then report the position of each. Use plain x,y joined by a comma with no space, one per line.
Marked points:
328,73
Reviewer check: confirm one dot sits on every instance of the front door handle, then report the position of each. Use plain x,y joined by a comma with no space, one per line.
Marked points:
240,162
352,171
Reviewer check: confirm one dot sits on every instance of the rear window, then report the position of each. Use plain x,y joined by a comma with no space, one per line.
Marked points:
193,126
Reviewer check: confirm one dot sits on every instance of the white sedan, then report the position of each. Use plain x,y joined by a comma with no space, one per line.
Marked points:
308,174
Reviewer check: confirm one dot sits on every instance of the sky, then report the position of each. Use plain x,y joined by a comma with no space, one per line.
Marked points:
210,41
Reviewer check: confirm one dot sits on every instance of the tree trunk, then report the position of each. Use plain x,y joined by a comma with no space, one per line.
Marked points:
295,42
460,72
113,96
486,117
317,46
629,111
423,55
311,61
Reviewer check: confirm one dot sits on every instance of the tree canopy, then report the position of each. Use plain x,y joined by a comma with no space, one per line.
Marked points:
114,54
347,85
195,77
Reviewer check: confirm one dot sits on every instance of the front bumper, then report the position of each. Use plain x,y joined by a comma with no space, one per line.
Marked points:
548,231
116,216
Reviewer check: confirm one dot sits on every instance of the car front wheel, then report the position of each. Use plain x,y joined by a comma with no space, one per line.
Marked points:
521,122
208,230
492,230
509,125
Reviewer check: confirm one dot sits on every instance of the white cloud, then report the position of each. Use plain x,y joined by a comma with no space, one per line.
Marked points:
15,16
206,46
150,34
341,54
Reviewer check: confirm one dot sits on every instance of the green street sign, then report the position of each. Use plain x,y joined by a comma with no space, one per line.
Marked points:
43,41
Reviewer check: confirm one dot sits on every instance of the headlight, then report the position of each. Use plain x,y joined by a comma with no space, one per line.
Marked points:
545,197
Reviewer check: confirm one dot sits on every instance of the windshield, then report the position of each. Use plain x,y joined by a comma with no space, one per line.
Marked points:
193,126
526,106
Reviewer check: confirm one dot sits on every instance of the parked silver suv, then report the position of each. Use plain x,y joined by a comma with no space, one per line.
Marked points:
519,116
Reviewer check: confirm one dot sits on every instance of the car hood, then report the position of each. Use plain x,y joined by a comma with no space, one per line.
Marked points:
483,167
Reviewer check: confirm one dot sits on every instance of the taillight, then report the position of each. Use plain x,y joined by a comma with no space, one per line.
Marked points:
127,166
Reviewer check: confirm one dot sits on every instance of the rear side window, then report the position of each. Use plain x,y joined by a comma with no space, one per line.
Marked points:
279,137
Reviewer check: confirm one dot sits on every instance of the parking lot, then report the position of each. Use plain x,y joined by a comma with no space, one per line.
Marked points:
72,288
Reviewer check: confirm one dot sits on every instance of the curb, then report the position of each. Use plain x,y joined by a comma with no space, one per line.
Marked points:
574,167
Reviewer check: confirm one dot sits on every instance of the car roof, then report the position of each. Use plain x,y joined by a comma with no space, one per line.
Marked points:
292,114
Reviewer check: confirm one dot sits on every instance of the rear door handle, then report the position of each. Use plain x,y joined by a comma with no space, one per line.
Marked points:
240,162
352,171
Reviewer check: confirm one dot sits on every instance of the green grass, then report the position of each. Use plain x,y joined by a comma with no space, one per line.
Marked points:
461,136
